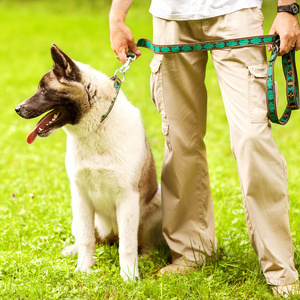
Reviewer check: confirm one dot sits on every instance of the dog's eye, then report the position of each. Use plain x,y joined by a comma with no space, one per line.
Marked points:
43,91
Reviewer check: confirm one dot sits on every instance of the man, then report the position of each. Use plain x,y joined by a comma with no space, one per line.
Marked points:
179,92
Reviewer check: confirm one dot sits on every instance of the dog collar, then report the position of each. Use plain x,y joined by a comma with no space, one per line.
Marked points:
117,86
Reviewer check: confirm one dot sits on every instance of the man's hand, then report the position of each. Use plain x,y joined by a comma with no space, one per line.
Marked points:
121,37
122,41
287,27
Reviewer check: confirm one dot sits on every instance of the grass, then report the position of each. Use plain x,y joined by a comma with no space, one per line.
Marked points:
35,206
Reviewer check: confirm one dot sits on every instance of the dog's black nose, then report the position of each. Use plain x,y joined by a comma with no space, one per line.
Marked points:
17,109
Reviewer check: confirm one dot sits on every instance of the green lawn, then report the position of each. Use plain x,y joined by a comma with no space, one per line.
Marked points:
35,206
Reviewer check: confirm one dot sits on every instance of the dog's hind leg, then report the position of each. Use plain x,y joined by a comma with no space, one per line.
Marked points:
128,222
150,230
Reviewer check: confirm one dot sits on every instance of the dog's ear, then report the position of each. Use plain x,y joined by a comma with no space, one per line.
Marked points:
64,66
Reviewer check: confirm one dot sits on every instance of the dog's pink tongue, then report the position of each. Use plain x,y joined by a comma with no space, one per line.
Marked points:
42,124
32,135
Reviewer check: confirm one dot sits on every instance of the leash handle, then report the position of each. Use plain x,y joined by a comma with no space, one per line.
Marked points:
292,89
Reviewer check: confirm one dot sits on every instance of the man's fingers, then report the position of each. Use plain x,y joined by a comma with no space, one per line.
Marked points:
287,46
133,48
136,51
121,53
287,27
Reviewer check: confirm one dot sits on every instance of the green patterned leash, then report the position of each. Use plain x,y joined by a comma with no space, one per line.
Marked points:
210,45
292,90
288,62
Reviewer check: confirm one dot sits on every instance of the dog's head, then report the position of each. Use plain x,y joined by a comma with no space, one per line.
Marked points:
60,93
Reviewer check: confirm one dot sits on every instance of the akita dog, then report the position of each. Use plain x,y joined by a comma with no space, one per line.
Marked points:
115,194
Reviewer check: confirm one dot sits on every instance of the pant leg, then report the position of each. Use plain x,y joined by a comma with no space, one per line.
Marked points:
179,93
262,170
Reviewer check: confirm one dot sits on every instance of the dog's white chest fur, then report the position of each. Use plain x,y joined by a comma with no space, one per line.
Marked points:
102,188
105,165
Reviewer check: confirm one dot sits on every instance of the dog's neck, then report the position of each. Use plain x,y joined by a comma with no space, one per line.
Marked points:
94,82
100,91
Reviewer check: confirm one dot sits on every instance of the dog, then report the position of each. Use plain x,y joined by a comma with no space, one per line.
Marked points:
114,188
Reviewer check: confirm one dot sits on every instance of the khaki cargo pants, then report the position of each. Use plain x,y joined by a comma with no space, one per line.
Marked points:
179,92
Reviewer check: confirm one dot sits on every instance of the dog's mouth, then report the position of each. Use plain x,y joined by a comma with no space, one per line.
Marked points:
45,126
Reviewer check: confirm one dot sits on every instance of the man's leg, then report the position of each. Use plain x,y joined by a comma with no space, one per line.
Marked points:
180,95
262,170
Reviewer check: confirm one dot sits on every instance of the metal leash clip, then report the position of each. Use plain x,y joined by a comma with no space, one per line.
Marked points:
130,57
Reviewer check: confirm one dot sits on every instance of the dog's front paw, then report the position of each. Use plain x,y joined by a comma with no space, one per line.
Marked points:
84,264
80,269
70,250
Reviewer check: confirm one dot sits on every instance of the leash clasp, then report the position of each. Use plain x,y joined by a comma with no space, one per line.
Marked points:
117,82
130,57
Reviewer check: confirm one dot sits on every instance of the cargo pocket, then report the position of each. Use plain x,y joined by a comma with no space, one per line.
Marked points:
157,91
257,76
